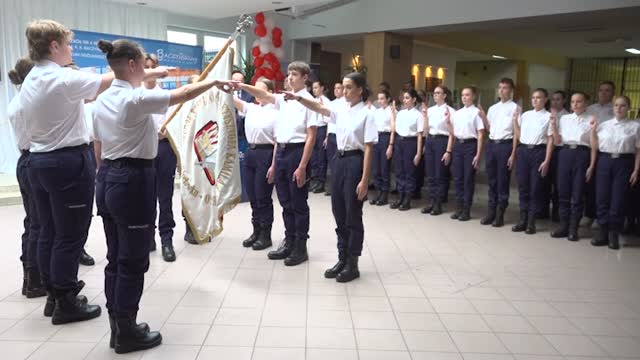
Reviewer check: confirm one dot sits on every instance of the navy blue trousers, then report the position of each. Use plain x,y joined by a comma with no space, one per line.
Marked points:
590,207
295,209
464,175
612,177
258,188
529,178
437,172
319,157
63,186
549,194
420,173
572,168
31,224
332,149
406,171
381,165
165,164
347,209
498,173
126,201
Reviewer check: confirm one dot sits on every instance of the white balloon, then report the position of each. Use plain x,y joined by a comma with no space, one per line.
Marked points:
279,53
270,24
265,45
256,42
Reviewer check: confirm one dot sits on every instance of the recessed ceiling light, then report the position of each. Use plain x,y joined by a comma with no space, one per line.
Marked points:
498,57
633,51
276,2
142,3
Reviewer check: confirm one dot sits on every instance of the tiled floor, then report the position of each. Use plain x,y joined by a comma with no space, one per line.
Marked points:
430,289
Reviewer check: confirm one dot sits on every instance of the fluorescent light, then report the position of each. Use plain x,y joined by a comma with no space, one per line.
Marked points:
633,51
498,57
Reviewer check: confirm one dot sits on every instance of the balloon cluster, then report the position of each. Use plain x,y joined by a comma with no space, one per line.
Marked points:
267,49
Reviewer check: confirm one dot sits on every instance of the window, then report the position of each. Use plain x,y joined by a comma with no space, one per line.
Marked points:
213,44
182,37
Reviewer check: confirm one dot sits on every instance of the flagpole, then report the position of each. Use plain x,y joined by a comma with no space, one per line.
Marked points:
244,22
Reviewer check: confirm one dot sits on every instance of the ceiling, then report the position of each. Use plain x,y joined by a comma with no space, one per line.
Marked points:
215,9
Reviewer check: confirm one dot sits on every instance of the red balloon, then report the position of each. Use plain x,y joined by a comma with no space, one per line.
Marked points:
254,79
268,73
277,43
258,62
260,18
255,51
275,66
259,72
276,32
279,76
270,58
261,30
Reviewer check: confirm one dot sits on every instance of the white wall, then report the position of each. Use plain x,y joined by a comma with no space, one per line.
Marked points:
485,75
550,78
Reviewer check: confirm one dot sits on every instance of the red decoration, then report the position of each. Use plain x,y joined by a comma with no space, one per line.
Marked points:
261,31
275,66
279,76
277,42
258,61
259,72
276,33
254,79
260,18
268,73
255,51
270,58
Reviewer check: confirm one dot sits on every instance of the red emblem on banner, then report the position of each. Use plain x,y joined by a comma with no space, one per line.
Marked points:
205,144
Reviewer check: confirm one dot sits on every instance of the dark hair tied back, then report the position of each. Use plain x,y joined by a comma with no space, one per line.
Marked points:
106,47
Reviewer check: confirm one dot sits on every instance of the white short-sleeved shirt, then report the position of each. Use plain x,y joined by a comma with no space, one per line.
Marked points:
323,120
500,117
355,127
534,127
335,104
88,116
619,136
409,122
259,123
293,119
575,129
467,123
122,120
437,119
52,99
17,124
602,112
382,117
559,115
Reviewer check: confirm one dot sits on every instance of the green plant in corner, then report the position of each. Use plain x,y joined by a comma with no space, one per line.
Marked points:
246,68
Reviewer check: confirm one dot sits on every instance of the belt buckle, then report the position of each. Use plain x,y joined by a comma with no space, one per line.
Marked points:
615,156
531,146
573,146
341,153
462,141
117,164
252,146
282,145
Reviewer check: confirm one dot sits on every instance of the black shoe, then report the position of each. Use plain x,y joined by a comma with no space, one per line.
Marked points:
427,209
614,240
531,225
561,231
34,289
374,200
522,223
50,303
350,271
129,338
465,215
312,185
319,189
253,237
491,216
188,235
264,238
406,203
396,204
437,208
284,250
337,268
458,212
327,193
25,279
168,254
298,255
384,198
140,328
602,238
573,230
86,259
499,220
152,247
70,309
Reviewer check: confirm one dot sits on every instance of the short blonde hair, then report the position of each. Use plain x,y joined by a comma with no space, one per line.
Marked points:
40,34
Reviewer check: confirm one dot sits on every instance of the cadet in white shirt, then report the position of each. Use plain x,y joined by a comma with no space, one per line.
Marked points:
501,153
534,158
468,130
126,186
31,284
296,136
407,146
259,129
60,166
356,133
576,164
382,151
330,141
319,156
438,147
618,140
550,182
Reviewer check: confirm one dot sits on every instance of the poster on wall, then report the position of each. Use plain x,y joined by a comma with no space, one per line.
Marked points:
185,58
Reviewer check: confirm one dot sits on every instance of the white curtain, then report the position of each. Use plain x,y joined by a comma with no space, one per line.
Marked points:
89,15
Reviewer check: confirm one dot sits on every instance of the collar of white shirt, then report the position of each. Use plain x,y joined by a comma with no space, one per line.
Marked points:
356,107
122,84
48,63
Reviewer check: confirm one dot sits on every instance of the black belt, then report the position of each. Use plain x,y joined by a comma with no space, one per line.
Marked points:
618,155
464,141
406,137
24,152
291,145
575,146
260,146
345,153
65,149
129,162
383,133
528,146
501,141
439,136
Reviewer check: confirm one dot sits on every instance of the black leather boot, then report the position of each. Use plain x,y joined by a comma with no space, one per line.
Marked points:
499,220
458,211
406,203
299,253
25,279
614,240
168,254
465,215
350,271
437,208
573,230
374,200
562,231
264,238
50,303
522,223
337,268
129,338
602,238
491,215
141,328
254,236
86,259
396,204
384,198
319,188
284,250
35,289
69,309
531,225
427,209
